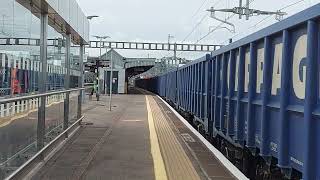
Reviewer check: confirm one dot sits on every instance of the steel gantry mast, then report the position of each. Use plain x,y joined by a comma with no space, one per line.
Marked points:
152,46
155,46
247,12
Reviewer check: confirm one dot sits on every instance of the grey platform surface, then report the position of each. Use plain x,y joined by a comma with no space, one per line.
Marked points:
116,145
124,149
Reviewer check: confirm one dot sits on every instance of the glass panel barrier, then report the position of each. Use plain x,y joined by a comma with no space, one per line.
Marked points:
19,126
18,134
54,116
73,107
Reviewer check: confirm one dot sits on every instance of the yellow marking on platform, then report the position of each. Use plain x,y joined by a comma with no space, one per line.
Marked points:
177,162
159,168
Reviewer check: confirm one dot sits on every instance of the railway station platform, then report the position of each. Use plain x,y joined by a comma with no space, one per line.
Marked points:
141,138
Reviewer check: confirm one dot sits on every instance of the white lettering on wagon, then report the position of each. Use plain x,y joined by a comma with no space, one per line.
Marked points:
237,72
296,161
221,70
276,73
260,61
246,71
274,146
299,70
228,72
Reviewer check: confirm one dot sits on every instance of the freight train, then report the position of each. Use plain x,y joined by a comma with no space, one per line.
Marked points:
19,75
257,99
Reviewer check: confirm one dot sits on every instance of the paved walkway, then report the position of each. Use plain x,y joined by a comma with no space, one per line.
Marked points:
137,140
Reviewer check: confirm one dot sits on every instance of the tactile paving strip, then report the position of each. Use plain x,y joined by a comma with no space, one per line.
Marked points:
178,165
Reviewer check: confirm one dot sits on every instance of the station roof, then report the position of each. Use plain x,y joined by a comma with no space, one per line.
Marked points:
65,16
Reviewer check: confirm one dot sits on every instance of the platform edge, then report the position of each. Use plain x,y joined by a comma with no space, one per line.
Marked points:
230,167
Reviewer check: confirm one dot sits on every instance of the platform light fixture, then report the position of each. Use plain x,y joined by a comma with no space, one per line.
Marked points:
91,17
98,62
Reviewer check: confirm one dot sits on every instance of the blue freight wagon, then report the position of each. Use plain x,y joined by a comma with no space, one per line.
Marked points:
257,99
19,75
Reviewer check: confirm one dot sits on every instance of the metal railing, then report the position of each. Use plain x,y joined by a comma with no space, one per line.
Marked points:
29,131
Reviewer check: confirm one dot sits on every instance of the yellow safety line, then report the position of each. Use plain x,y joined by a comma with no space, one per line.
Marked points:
159,168
178,164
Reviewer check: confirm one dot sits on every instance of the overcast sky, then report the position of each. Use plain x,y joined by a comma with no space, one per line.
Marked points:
153,20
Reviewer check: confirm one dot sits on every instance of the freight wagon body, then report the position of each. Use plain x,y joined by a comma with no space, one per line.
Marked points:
260,93
19,75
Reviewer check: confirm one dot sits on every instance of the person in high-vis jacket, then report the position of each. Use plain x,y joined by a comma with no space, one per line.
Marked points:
95,88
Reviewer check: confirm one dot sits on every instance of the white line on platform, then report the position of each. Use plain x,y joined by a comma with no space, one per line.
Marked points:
232,169
131,120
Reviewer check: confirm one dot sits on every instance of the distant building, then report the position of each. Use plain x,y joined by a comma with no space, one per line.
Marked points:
123,68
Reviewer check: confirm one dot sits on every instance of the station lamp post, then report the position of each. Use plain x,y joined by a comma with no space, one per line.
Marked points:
174,50
169,38
90,18
98,64
111,79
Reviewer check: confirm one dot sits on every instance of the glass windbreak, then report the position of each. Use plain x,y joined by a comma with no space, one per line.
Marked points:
19,63
56,60
73,107
19,66
18,134
54,116
74,66
19,76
